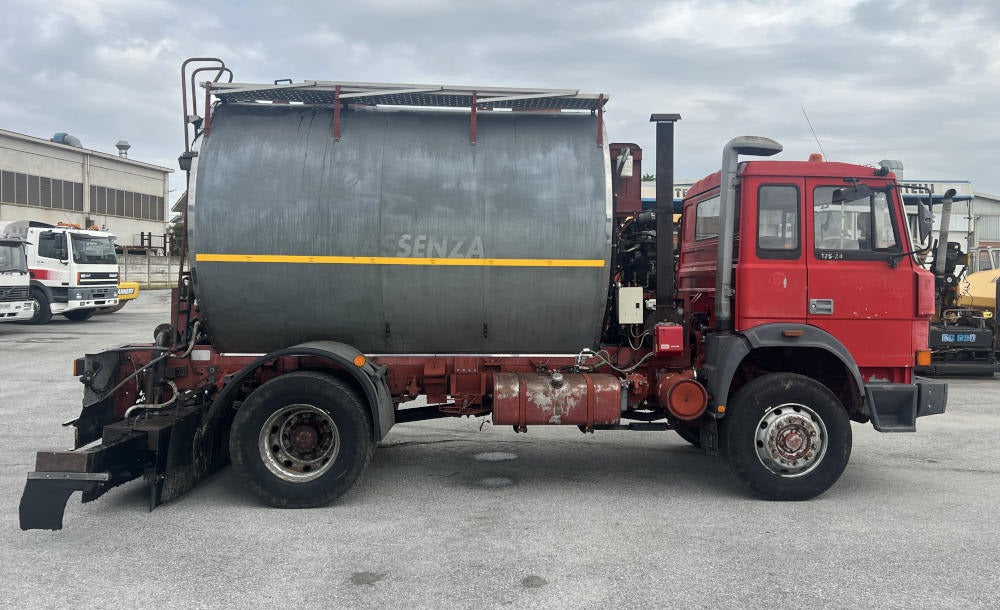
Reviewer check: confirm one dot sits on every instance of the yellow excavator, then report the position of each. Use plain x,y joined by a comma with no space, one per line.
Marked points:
979,290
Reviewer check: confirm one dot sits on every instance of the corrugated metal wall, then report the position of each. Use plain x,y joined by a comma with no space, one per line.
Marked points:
988,229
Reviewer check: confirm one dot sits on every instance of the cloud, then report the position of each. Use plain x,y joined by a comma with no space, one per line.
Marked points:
914,80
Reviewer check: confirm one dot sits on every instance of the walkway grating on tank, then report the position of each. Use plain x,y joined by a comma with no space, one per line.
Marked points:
380,94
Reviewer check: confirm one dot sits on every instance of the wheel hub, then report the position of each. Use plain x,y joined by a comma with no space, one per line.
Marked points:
299,443
304,438
791,440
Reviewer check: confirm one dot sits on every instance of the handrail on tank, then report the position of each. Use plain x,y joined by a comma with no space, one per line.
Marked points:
220,71
221,67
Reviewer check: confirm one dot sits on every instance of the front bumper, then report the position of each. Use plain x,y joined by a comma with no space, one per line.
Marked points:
895,407
83,297
13,311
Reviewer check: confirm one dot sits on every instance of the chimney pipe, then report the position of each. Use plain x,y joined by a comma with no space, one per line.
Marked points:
942,250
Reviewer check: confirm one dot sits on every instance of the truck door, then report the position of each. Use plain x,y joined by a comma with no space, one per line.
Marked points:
854,293
771,273
51,254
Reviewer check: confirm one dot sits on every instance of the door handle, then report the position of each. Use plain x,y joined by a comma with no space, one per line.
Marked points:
822,307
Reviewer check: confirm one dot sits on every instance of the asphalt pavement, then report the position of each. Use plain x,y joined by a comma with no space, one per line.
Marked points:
461,514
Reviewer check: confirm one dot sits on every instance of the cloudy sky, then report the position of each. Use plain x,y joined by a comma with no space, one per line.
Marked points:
914,80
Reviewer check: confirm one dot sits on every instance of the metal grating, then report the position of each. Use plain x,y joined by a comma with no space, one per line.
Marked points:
435,96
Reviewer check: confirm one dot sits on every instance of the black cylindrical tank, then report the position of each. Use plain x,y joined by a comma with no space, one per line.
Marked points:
402,237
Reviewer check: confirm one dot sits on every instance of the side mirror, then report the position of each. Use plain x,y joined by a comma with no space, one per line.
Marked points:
925,220
858,191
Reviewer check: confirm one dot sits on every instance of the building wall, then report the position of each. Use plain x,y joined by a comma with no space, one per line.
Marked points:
50,182
149,271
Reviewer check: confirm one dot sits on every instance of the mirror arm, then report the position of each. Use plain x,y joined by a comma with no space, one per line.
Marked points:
894,259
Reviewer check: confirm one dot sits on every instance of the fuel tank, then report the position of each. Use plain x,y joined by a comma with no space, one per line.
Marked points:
402,237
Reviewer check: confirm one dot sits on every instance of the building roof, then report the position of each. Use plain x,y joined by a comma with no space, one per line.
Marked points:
95,153
180,204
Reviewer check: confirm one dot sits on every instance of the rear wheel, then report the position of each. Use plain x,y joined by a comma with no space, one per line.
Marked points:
43,312
786,437
301,440
79,315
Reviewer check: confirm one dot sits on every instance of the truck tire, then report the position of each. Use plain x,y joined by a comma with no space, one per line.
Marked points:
786,437
79,315
691,434
113,308
43,312
301,440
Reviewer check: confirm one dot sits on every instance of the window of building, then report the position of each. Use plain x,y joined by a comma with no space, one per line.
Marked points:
57,194
39,191
33,190
45,192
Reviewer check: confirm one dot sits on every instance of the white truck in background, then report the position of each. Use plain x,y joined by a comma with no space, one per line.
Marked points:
73,271
15,306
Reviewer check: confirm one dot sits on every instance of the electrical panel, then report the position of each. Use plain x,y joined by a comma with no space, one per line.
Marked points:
630,305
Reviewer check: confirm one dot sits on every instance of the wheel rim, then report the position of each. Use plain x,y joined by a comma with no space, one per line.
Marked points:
791,440
299,443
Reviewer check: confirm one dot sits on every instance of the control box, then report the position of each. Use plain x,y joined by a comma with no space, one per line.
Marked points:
629,305
669,338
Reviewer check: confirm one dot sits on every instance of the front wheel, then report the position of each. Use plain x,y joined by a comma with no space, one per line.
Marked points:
113,308
301,440
79,315
43,312
786,437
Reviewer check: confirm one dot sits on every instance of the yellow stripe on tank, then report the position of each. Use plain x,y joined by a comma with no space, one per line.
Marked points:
398,260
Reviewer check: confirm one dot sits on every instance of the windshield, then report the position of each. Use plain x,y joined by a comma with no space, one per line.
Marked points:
93,250
12,258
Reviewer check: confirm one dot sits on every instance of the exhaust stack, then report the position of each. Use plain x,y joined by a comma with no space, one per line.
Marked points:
743,145
665,280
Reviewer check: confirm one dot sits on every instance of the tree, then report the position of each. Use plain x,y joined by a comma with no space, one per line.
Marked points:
648,178
175,236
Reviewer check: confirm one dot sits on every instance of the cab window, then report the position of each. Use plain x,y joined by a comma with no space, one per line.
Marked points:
706,222
52,245
984,261
778,222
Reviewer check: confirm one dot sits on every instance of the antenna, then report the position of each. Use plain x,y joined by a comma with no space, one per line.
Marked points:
812,130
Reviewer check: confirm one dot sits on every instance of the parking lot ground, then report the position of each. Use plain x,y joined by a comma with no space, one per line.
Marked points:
459,514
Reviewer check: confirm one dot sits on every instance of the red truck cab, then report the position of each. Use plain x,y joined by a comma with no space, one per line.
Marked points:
801,258
822,258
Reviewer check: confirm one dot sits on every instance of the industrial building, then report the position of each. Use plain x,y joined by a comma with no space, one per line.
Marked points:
55,182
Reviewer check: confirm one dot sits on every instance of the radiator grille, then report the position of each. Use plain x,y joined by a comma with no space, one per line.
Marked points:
13,293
